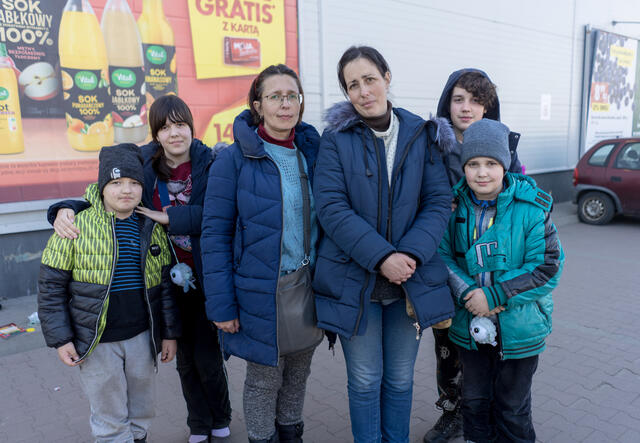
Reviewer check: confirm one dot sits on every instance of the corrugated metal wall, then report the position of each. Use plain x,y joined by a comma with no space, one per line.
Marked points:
527,48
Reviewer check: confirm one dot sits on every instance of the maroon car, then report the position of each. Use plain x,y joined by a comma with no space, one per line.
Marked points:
607,181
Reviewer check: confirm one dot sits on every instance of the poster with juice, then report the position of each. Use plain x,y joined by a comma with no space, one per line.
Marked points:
29,29
58,156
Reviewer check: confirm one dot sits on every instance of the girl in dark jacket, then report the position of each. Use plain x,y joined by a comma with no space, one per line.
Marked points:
175,176
383,201
254,238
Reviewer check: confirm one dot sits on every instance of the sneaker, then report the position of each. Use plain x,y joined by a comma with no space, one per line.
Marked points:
448,427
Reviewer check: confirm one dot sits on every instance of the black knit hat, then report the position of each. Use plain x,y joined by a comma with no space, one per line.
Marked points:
123,160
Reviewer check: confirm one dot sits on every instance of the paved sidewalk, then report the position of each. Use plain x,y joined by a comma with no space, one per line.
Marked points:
587,387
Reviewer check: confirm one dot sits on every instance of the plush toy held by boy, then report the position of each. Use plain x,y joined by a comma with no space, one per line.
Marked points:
504,259
105,300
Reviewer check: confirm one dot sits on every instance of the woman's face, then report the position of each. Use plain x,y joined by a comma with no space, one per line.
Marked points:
279,105
366,87
175,138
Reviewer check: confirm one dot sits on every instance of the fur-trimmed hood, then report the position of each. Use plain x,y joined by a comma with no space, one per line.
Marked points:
342,116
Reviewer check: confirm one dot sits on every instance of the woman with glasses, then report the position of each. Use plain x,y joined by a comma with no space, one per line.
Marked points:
259,237
383,201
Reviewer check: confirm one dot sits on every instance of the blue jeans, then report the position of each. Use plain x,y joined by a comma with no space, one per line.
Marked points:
380,375
496,396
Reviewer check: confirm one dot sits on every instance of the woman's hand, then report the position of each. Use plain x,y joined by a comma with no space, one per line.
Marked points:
63,224
67,353
157,216
398,268
231,326
169,349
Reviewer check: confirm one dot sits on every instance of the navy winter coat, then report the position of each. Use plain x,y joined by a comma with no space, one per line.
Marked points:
183,220
364,219
241,239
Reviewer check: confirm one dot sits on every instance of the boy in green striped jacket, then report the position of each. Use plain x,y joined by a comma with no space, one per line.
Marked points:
105,300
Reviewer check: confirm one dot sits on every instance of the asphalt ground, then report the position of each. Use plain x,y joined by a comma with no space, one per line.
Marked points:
586,389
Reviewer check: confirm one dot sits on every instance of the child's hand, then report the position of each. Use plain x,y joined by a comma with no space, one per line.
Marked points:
230,327
169,349
157,216
63,224
476,303
496,310
68,355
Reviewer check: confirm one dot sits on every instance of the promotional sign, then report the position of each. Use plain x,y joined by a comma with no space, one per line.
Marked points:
232,38
76,75
614,109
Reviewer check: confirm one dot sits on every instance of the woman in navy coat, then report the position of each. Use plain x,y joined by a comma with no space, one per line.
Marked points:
252,236
383,201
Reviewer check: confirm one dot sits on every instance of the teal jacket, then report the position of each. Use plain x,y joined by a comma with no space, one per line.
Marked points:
521,250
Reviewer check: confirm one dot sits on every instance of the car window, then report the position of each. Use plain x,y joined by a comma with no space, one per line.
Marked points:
629,157
599,158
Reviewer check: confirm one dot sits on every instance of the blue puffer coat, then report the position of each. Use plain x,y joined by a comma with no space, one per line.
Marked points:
241,239
364,219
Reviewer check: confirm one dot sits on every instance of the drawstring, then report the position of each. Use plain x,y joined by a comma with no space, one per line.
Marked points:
364,153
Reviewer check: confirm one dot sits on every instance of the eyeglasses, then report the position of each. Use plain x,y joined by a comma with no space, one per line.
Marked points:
294,99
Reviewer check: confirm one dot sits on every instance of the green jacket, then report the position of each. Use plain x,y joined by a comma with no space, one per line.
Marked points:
75,277
521,250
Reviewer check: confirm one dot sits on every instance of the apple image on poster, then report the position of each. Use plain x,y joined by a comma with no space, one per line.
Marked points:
39,81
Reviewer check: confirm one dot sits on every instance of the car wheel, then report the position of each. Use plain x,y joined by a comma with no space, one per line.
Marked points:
595,208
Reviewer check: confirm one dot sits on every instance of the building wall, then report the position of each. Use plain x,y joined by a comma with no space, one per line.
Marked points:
527,48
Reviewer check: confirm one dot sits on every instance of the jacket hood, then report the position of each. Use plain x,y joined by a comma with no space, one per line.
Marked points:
445,98
519,187
92,195
246,137
343,115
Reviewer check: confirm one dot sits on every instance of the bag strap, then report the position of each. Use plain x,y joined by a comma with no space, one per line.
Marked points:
306,208
163,193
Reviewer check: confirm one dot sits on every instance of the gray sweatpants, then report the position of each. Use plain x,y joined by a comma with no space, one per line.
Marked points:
275,393
119,380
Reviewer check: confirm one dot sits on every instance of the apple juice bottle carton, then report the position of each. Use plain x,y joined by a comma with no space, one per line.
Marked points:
10,118
85,78
126,72
159,50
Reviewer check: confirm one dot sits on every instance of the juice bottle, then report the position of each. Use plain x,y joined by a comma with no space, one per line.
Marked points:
10,117
159,51
126,72
85,78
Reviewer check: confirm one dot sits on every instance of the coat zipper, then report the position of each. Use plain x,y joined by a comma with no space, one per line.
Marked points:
394,176
113,265
143,265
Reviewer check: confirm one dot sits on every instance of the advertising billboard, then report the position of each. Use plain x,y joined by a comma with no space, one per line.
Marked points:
614,93
76,75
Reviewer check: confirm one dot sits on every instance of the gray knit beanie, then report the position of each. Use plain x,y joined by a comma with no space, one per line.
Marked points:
123,160
486,138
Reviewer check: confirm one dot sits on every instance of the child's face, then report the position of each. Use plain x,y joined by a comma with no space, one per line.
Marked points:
464,110
484,176
121,196
175,138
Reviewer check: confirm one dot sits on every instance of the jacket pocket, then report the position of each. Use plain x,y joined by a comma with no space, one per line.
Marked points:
238,240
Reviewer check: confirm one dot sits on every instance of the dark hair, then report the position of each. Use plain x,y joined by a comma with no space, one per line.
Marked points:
478,85
256,90
356,52
174,109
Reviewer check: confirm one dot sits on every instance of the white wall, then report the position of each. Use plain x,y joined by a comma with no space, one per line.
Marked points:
527,48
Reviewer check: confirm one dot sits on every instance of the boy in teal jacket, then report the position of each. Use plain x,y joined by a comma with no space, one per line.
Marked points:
504,259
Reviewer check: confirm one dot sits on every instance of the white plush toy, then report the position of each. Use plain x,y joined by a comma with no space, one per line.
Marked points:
483,331
182,275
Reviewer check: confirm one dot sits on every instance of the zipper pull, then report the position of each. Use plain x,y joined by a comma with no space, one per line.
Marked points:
417,326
